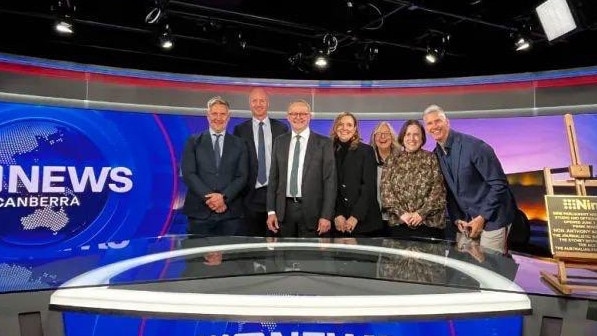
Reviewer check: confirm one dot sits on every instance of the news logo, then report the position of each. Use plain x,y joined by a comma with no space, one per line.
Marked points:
72,177
579,204
51,182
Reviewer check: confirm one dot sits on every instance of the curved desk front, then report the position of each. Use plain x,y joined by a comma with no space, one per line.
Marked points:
211,287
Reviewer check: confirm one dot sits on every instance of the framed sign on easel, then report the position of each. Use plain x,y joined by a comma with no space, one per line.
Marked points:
572,221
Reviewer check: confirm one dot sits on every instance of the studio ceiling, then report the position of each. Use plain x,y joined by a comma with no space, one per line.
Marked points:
372,39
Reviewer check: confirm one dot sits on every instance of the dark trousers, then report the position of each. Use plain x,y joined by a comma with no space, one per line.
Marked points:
294,222
422,231
214,226
255,223
256,214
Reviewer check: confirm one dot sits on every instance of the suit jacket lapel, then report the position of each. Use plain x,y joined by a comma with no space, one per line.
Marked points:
455,159
207,148
224,149
284,143
277,129
251,136
447,175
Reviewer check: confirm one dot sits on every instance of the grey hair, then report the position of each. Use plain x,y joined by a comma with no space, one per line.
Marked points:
217,100
435,109
300,101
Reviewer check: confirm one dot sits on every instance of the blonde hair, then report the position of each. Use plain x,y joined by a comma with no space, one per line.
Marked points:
394,146
356,138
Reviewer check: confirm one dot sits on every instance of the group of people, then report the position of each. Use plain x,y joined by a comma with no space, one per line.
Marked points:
266,179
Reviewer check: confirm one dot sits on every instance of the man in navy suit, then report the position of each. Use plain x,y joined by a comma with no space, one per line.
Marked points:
301,193
480,202
259,132
215,170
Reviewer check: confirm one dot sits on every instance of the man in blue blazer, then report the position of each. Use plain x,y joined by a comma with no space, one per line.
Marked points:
215,169
301,193
480,202
259,132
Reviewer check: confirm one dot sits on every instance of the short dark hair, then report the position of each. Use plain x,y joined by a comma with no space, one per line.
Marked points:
402,132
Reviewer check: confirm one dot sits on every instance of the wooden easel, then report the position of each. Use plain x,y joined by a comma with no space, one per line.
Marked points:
580,178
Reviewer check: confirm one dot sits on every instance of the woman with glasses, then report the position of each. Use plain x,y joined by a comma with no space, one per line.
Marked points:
357,209
385,144
412,188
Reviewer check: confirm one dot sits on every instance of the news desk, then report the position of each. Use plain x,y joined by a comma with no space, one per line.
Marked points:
207,286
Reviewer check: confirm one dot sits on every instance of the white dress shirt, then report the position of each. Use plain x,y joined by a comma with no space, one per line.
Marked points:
304,140
212,134
267,134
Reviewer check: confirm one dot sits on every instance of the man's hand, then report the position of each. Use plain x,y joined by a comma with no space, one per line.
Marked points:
462,227
272,223
323,226
476,226
221,209
215,201
340,223
351,223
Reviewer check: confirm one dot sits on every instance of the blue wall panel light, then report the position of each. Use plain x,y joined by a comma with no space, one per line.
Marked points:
79,324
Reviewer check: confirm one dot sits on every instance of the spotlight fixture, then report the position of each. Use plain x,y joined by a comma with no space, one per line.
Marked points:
165,40
64,10
235,40
433,55
521,37
64,26
371,52
436,47
321,61
367,56
298,61
241,40
521,43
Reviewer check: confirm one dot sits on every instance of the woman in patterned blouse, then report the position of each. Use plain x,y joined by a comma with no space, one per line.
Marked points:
412,188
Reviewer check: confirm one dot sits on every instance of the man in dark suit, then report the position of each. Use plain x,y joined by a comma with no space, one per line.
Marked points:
301,193
480,202
215,169
259,133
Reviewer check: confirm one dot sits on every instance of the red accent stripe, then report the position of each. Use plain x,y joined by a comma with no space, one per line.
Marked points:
39,71
572,81
164,83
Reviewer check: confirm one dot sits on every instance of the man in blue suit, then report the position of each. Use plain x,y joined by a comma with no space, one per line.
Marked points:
480,202
215,170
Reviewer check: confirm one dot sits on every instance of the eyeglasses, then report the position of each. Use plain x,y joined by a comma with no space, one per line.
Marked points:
383,134
299,114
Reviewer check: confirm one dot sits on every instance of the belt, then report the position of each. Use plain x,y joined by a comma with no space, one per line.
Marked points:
294,199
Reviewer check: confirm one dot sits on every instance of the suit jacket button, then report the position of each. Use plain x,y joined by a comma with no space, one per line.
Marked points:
343,186
346,199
